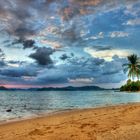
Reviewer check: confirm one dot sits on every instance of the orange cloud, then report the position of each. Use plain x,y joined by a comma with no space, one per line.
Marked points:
86,2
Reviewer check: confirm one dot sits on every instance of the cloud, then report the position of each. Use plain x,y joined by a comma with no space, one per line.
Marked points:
77,71
19,71
64,57
28,44
107,55
2,58
133,22
84,72
132,10
53,44
69,12
97,6
42,56
2,63
81,80
23,18
15,63
116,66
117,34
70,34
2,55
102,48
100,35
26,19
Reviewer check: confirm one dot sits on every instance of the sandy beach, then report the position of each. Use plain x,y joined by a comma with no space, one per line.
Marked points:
107,123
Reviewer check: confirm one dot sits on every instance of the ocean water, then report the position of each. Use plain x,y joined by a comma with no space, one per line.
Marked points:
26,104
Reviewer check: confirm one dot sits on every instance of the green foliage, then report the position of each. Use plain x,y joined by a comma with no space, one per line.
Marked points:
131,86
129,81
132,68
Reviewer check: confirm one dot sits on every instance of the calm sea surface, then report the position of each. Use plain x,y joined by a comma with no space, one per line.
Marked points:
26,104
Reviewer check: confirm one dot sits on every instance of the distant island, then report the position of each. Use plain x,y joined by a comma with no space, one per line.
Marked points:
3,88
69,88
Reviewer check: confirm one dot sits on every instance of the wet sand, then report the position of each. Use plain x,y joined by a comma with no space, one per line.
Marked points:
120,122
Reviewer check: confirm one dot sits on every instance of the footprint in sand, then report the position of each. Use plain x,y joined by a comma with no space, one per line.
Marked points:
73,135
36,132
84,125
57,127
48,128
93,125
50,131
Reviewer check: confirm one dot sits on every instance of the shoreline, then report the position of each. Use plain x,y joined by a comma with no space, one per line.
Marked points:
45,115
20,119
103,123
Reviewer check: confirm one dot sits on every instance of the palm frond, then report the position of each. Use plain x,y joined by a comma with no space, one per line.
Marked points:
133,67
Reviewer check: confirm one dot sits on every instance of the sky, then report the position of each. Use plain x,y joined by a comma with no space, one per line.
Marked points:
57,43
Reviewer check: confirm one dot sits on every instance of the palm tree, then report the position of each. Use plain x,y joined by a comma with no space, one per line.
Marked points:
133,66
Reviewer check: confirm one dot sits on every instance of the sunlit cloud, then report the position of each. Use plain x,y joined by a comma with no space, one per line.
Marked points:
117,34
107,54
133,22
100,35
81,80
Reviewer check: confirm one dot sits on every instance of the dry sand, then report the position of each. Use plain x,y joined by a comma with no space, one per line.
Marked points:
109,123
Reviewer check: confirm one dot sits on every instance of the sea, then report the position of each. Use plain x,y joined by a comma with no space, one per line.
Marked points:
16,105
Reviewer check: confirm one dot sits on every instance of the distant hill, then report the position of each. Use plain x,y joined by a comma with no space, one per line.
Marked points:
70,88
3,88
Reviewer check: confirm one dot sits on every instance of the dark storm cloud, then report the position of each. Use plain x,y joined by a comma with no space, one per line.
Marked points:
19,75
2,57
28,44
70,34
91,68
16,62
97,68
42,56
2,63
16,16
19,17
86,62
49,79
98,62
111,73
64,57
102,48
116,66
18,72
69,12
25,43
74,68
82,68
